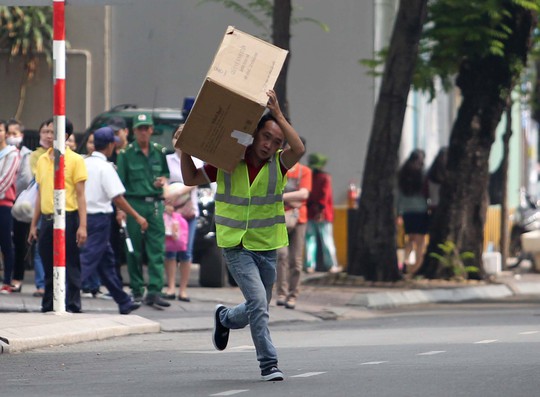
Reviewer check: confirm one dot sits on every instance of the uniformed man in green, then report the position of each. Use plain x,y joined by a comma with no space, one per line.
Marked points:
142,167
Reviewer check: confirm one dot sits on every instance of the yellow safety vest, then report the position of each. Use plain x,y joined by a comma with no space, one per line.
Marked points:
251,215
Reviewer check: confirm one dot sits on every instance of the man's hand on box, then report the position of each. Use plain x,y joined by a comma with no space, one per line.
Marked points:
273,103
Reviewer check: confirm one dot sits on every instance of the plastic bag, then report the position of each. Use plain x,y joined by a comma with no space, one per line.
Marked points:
23,207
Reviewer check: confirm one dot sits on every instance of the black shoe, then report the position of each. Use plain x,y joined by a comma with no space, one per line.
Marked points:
272,373
220,337
156,301
169,297
132,306
137,298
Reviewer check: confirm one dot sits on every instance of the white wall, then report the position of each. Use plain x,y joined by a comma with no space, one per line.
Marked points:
161,54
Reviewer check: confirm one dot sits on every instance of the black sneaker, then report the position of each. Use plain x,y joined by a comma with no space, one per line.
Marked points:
272,373
220,337
138,298
132,306
156,301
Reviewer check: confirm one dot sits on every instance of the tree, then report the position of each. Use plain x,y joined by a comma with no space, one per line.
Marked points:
26,33
488,43
374,252
278,14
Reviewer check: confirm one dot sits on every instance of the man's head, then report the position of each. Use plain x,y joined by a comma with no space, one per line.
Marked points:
143,127
118,124
268,138
46,133
14,133
317,161
104,140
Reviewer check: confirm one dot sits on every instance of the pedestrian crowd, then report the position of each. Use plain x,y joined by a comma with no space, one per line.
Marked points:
135,203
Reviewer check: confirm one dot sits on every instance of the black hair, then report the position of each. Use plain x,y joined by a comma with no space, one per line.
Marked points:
15,122
3,122
266,117
437,171
411,174
69,127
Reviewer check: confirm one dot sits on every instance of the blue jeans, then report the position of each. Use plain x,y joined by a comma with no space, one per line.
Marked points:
255,274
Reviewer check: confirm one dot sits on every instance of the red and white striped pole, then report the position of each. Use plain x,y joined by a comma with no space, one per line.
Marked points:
59,113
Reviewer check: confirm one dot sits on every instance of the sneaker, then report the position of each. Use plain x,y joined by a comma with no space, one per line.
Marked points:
156,301
281,300
86,293
272,373
6,289
220,336
100,295
290,304
138,298
132,306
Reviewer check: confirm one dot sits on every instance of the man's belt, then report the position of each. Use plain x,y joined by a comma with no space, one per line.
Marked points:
147,199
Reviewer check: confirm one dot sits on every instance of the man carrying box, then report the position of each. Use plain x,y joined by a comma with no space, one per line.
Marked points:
250,227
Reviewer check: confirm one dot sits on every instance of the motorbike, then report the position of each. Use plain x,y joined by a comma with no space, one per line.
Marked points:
527,220
213,270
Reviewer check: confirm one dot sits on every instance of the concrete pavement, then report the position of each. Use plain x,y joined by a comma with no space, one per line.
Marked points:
323,297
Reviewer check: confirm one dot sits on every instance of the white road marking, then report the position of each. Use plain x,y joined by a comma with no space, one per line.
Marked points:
243,347
486,341
236,349
374,362
307,374
229,393
431,353
528,332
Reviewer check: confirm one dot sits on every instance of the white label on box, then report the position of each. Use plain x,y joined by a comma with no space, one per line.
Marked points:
242,138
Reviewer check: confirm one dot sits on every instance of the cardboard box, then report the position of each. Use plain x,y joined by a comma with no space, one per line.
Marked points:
232,99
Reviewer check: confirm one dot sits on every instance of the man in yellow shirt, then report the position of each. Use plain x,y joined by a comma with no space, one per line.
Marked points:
75,176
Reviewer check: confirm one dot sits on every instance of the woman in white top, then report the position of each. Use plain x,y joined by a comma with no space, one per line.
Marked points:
177,197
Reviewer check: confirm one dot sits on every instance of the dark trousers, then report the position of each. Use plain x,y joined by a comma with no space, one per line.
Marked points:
98,255
6,243
20,243
73,266
117,244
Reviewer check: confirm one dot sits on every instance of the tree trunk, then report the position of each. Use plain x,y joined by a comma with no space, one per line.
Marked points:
374,240
22,98
281,35
504,201
485,84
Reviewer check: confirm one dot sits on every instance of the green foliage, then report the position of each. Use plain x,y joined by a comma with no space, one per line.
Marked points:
26,32
251,11
456,30
453,261
260,13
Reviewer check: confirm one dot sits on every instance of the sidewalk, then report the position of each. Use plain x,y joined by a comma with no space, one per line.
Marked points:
323,297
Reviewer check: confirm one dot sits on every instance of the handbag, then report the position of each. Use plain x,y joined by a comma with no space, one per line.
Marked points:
291,218
23,207
176,233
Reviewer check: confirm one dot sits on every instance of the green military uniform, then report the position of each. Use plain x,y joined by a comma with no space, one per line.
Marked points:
138,173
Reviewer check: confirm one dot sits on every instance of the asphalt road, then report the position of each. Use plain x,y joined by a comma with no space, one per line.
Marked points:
481,349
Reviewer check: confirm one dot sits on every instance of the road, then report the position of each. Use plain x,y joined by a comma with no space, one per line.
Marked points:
481,349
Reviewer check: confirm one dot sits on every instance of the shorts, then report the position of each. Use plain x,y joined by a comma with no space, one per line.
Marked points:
416,222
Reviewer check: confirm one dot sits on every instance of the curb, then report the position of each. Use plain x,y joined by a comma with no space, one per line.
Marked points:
384,300
64,329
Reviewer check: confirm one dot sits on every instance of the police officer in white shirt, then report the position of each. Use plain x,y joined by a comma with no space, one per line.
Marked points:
103,186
